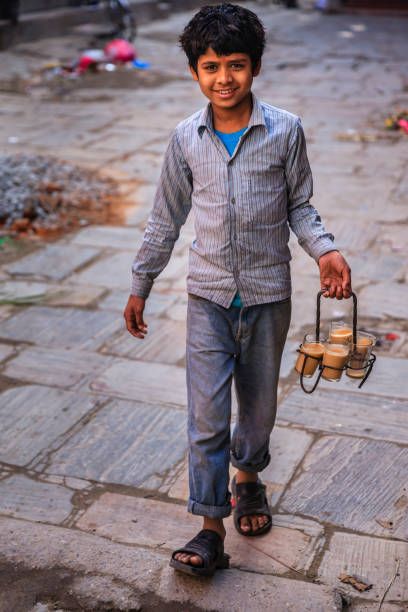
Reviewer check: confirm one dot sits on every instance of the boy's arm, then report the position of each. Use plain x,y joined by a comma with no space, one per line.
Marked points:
306,223
171,206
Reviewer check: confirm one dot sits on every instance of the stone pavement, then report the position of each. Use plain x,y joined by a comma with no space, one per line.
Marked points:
93,445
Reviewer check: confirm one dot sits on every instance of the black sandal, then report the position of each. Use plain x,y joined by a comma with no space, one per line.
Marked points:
210,547
250,499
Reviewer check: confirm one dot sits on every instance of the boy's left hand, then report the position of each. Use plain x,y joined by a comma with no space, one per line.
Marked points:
335,275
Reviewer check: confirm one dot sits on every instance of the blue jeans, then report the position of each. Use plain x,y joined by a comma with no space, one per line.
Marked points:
244,344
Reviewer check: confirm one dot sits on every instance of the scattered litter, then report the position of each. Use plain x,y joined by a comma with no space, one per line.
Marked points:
13,139
345,34
90,60
137,63
355,136
120,50
385,523
398,121
117,53
392,337
356,583
41,194
358,27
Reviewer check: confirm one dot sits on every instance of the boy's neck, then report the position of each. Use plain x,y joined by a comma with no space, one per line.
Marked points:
229,120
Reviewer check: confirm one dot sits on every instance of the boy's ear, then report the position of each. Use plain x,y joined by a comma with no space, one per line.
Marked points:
193,73
257,69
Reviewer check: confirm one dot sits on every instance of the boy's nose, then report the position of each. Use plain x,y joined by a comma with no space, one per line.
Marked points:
224,76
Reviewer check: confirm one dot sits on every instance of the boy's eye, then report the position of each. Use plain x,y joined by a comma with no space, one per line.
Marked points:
237,66
211,67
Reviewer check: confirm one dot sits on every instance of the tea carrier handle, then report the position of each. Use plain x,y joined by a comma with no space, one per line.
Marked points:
353,295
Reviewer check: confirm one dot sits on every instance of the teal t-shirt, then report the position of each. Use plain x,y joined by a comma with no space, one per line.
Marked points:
230,142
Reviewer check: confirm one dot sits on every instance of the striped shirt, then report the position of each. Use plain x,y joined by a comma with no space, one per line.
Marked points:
243,205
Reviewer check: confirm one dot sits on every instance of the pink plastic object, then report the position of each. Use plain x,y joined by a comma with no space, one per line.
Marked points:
403,123
120,50
91,57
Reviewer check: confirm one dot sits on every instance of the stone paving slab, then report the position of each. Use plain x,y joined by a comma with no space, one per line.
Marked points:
355,483
176,269
23,497
384,300
288,358
144,382
394,239
61,327
388,378
376,269
165,342
157,304
110,272
178,311
55,367
287,448
6,350
109,237
32,417
125,443
6,311
51,294
55,261
133,520
372,559
42,547
347,413
352,237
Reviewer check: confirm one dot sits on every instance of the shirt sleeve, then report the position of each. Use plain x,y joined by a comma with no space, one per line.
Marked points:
303,218
171,206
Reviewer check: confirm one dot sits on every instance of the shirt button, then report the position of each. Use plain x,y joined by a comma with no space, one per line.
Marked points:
233,201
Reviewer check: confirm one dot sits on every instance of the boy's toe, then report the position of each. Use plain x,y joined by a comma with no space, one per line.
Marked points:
196,560
186,558
254,523
245,524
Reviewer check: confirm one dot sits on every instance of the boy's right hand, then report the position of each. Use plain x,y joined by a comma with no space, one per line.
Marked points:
134,316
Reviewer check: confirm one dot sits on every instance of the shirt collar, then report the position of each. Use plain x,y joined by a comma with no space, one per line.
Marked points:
257,116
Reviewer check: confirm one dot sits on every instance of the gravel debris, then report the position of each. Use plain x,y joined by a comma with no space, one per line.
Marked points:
41,194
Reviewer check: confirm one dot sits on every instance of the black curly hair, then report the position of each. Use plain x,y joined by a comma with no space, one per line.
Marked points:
226,28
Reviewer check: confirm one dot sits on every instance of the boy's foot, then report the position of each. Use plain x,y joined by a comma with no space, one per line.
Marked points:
196,560
249,494
208,548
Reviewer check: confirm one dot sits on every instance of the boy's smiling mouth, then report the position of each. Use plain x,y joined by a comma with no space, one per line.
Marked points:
226,92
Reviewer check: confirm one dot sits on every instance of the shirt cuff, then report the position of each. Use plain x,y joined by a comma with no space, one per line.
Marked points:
141,287
322,246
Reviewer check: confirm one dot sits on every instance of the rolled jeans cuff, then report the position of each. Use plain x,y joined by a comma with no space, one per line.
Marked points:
217,512
250,467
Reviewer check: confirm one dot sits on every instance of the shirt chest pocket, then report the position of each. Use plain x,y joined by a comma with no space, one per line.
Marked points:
262,198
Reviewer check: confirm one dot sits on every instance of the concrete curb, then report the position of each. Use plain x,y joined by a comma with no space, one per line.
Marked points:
48,564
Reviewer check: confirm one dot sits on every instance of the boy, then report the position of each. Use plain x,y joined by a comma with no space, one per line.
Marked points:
241,165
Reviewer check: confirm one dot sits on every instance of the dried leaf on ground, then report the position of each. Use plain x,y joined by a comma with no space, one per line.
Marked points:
355,582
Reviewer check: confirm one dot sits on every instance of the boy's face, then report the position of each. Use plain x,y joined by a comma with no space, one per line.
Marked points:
225,80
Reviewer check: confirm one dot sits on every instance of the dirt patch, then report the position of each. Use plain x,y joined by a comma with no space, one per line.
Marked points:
42,196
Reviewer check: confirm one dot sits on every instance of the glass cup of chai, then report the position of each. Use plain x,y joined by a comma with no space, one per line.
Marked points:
335,357
340,333
360,354
310,354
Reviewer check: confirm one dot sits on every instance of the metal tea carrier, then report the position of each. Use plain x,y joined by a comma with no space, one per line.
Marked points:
367,368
